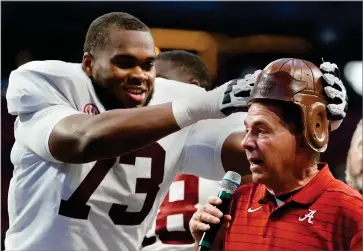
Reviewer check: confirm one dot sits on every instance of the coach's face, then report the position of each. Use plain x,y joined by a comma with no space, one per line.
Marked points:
125,67
269,145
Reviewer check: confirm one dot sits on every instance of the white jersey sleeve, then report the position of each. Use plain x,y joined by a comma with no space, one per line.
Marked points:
40,105
202,150
32,130
39,84
167,90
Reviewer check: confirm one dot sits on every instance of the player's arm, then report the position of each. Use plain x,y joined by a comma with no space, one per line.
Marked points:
64,134
83,138
117,132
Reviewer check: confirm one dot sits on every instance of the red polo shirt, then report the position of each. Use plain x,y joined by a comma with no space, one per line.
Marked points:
326,214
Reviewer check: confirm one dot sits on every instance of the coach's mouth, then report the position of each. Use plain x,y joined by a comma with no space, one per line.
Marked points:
255,162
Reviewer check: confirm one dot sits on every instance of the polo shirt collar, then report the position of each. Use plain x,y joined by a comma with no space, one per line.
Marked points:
316,186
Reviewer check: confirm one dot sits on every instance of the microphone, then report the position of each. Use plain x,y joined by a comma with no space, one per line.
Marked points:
230,183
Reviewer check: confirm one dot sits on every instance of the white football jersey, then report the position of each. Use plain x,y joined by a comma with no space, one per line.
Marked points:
170,230
102,205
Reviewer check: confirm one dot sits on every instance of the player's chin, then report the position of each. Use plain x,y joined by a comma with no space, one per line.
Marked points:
133,103
129,101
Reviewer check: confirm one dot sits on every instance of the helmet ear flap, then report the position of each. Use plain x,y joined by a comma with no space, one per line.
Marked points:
317,126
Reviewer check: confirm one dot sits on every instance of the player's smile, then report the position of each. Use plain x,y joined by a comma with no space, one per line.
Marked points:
138,94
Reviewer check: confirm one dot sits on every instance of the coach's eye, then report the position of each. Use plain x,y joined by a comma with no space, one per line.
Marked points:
261,130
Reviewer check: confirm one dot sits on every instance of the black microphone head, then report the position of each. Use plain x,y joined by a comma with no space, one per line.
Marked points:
231,181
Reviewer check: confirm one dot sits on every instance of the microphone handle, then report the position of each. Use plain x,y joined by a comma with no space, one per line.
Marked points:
201,248
208,237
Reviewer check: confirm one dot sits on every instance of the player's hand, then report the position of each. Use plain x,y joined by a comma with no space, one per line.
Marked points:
208,214
237,93
337,95
218,103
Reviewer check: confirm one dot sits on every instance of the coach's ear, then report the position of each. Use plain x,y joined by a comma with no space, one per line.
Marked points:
87,61
194,82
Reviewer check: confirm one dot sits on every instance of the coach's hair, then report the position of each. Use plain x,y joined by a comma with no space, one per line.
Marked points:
97,34
188,63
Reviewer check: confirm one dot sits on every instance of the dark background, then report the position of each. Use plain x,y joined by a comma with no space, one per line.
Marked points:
56,30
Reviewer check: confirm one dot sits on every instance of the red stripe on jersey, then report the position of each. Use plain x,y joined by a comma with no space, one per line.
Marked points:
326,214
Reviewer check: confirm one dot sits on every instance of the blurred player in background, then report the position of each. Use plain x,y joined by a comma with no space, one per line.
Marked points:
70,188
354,161
171,229
183,66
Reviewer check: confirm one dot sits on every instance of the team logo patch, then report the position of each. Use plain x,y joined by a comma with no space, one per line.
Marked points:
90,109
267,86
309,216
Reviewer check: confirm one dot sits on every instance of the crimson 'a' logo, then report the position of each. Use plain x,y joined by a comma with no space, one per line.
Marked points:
90,109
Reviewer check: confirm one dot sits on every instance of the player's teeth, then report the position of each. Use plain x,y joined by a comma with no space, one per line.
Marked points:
135,91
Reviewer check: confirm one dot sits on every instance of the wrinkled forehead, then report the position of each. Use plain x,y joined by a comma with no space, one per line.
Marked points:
265,106
263,112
